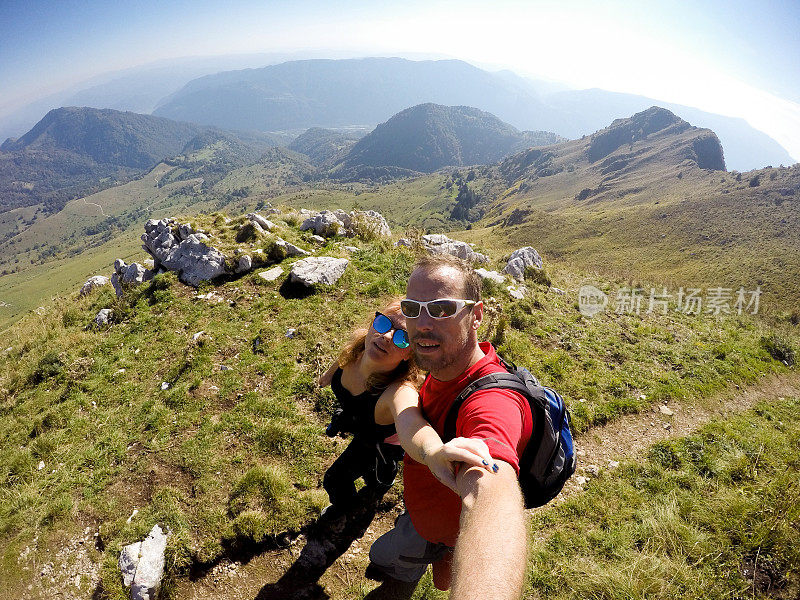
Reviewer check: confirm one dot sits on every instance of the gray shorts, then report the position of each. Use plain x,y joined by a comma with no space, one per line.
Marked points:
404,554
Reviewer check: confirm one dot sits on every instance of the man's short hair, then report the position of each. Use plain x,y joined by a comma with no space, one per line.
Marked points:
471,281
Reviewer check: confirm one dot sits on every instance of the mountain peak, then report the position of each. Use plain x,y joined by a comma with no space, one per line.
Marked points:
429,136
657,123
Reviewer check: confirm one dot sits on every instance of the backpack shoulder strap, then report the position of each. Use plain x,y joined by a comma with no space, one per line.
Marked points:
506,381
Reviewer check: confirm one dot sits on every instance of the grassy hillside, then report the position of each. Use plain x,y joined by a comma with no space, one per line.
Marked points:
712,515
230,452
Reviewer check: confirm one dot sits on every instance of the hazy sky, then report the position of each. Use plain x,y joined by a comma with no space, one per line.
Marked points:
738,58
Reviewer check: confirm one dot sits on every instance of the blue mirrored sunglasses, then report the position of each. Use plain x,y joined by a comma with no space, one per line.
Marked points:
382,324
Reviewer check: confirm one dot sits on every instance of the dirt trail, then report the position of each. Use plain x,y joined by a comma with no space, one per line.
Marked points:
599,448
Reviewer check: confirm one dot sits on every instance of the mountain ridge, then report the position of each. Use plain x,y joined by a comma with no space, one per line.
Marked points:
368,91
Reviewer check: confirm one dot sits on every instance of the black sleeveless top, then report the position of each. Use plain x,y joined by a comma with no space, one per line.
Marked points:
360,412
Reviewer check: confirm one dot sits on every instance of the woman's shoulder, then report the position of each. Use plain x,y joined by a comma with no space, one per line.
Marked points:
327,377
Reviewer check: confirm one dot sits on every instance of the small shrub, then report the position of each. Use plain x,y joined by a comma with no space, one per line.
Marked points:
491,288
664,455
160,288
71,317
755,181
779,348
537,276
292,219
364,227
49,366
247,233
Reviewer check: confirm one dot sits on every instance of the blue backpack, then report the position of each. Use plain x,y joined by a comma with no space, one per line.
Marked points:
549,458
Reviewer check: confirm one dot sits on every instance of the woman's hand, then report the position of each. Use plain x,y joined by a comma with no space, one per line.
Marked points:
443,461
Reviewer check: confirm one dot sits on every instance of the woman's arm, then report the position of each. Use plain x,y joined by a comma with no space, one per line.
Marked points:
422,442
326,378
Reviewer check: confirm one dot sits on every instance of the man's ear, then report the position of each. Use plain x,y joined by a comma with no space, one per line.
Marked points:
477,315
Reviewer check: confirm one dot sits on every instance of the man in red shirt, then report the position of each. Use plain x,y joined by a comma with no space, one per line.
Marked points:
475,518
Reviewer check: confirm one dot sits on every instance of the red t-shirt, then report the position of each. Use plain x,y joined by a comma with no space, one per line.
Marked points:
501,418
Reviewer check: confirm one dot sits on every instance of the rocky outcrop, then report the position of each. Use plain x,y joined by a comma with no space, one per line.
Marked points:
191,257
438,243
128,274
262,222
520,259
325,223
94,282
323,270
638,127
366,224
271,274
245,264
708,153
282,249
491,275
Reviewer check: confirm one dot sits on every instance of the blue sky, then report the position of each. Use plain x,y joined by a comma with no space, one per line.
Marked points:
738,58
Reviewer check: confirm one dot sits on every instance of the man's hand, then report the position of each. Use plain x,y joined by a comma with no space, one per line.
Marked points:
445,460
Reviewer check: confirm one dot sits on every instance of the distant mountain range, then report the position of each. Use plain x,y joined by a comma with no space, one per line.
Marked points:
339,93
72,150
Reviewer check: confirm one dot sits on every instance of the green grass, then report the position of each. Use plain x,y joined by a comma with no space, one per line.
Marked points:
695,519
233,450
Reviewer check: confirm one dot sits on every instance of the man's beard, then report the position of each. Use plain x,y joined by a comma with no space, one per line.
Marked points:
441,361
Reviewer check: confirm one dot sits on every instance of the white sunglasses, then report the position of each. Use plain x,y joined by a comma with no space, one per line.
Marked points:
441,308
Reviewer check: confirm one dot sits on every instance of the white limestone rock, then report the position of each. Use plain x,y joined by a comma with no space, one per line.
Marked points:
366,222
103,316
324,270
285,249
437,243
520,259
194,260
326,224
262,222
128,559
245,264
491,275
94,282
271,274
518,292
150,568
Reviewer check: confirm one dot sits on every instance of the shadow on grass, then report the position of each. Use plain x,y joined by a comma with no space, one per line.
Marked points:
292,290
327,539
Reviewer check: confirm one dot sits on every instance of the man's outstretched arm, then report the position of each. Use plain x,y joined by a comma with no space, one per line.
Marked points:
491,550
